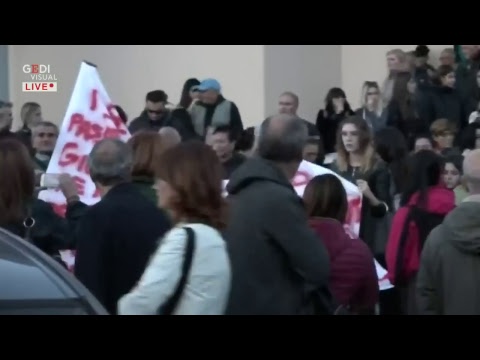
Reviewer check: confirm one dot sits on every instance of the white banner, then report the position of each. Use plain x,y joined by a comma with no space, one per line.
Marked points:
90,117
306,172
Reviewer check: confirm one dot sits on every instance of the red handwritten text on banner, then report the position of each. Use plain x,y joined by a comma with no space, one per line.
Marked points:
90,117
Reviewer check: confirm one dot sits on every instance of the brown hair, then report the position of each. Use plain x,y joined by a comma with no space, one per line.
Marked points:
147,147
402,96
17,182
442,126
325,197
366,144
194,172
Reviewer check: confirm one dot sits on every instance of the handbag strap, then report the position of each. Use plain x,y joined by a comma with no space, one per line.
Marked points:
169,307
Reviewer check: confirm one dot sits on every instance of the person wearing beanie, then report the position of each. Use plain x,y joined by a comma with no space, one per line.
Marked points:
423,72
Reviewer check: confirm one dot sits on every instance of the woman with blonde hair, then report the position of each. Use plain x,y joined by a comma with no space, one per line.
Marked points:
31,115
398,66
372,110
358,163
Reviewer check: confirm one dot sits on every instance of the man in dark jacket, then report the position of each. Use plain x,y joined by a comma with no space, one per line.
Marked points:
115,237
448,281
466,74
155,115
274,255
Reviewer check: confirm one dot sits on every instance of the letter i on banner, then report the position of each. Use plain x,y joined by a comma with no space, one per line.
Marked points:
90,117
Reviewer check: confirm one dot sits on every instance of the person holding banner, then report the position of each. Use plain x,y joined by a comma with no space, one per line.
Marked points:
358,163
353,278
20,211
115,237
277,261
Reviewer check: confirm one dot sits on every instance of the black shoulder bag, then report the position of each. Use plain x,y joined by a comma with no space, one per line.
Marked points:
169,307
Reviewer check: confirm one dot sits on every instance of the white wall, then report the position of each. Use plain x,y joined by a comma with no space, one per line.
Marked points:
252,75
362,63
130,71
307,70
4,73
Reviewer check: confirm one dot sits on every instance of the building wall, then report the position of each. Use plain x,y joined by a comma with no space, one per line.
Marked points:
300,69
251,75
130,71
4,72
362,63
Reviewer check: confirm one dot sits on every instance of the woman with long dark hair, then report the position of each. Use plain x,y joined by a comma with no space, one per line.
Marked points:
336,110
392,148
21,212
424,203
353,279
180,118
405,108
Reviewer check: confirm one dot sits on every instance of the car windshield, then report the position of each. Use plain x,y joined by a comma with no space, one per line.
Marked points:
21,281
24,277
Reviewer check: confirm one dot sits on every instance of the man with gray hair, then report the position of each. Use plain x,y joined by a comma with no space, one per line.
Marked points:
115,237
288,103
448,281
44,139
170,136
274,255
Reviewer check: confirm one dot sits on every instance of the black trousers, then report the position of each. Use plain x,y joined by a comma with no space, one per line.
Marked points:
390,300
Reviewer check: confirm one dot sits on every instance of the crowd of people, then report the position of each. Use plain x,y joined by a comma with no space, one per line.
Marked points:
166,239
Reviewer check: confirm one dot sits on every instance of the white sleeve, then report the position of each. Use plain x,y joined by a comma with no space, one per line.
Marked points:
160,279
473,117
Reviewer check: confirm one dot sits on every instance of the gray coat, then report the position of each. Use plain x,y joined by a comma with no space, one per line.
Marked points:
448,282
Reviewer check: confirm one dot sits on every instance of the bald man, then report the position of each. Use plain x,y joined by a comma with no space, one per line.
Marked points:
170,136
449,275
273,253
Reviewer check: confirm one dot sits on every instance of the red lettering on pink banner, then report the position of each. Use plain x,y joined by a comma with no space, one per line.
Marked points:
302,178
